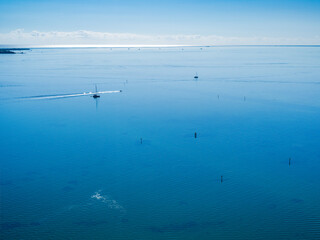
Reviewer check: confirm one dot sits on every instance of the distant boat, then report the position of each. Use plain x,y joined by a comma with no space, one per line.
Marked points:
196,76
96,95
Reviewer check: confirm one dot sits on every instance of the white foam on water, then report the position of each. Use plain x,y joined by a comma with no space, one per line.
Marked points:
111,203
71,95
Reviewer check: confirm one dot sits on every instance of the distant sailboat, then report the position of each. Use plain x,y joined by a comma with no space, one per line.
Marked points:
196,76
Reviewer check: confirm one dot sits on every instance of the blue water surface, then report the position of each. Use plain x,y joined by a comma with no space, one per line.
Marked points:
127,165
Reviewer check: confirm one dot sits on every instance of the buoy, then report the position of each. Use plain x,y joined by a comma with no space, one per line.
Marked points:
195,135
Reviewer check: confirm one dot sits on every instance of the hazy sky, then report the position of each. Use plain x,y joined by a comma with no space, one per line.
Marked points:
160,22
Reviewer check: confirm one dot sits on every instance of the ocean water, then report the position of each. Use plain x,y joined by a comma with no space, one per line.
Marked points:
127,165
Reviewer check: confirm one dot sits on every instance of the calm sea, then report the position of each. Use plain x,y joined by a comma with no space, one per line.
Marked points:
128,166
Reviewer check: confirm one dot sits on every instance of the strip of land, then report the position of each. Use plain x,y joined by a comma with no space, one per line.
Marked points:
12,50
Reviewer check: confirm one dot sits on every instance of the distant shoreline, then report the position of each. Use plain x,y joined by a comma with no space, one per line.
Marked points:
28,47
12,50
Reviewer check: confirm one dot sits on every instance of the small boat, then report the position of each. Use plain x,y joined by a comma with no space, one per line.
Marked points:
196,76
96,95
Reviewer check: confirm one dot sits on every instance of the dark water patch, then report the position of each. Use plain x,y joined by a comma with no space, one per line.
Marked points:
301,235
124,220
297,200
182,203
10,225
16,181
6,183
174,227
32,173
212,224
187,226
271,206
73,182
27,179
85,172
7,226
91,223
35,224
67,189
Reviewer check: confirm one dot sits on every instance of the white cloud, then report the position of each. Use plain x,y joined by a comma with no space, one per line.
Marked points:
83,37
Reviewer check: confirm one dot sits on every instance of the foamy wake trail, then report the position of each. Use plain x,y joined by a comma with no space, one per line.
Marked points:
111,203
69,95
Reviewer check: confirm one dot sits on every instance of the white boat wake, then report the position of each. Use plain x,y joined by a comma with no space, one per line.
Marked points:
70,95
111,203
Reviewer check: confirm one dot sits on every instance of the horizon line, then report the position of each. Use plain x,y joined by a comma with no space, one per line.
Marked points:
53,46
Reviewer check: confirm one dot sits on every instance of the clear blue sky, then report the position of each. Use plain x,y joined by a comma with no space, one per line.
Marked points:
286,19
